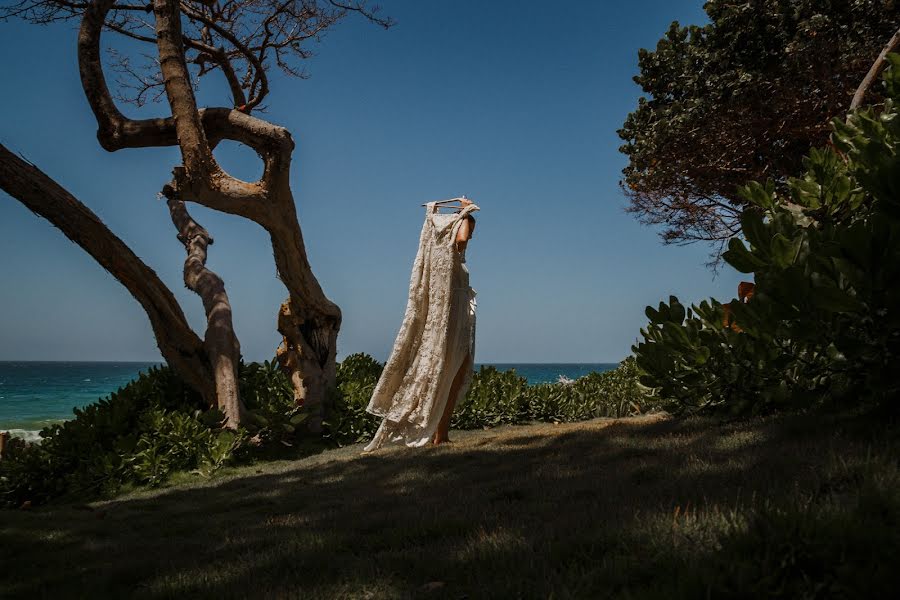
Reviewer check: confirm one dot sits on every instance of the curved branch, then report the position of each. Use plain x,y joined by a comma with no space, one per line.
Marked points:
309,321
179,345
195,151
870,77
221,343
203,179
115,131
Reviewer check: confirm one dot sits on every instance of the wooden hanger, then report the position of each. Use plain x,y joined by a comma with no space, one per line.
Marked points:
448,203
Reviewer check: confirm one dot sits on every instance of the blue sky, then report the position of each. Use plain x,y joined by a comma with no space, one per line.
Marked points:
515,104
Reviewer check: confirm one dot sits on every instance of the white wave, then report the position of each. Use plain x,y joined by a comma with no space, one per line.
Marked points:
29,435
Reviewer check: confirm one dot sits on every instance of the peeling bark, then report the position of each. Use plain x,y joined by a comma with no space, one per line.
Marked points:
221,343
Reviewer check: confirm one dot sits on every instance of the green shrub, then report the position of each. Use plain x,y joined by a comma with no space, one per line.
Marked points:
346,421
616,393
146,431
823,324
138,435
698,363
505,398
272,413
494,398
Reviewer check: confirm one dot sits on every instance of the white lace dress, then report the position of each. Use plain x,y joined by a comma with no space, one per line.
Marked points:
436,339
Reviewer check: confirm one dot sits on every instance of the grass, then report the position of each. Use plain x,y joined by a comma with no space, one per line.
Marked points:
646,507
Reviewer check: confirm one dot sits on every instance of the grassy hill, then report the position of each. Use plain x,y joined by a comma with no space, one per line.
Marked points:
646,507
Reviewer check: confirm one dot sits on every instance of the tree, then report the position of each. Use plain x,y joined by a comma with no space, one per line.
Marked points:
741,99
241,39
822,326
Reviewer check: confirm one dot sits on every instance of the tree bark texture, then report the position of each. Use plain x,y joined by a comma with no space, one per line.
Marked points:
220,341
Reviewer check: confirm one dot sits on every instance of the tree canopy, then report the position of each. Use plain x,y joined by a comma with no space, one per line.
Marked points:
242,39
741,99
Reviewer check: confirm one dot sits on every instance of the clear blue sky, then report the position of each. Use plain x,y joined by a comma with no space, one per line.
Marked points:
515,104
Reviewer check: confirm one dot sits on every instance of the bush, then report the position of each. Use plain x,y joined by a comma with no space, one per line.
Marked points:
138,435
272,413
143,433
505,398
347,421
823,324
494,398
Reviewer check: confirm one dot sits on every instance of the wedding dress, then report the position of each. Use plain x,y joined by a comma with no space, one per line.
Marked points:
436,338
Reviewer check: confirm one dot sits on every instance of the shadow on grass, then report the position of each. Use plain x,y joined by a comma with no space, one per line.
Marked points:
520,512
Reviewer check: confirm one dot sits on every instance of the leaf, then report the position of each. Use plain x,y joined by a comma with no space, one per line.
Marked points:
755,193
676,310
299,418
891,76
754,230
740,258
784,250
835,300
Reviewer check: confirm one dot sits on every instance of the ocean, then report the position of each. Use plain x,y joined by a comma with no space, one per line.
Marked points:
34,395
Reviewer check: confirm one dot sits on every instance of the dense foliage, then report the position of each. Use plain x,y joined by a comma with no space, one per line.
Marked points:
146,431
741,99
505,398
823,324
347,421
140,434
495,398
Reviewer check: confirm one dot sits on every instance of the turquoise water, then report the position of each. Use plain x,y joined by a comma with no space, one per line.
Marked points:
36,394
552,372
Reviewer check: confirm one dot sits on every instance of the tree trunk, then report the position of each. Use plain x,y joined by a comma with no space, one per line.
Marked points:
220,342
307,320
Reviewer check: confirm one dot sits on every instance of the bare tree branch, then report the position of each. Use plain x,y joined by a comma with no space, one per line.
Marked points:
871,76
179,345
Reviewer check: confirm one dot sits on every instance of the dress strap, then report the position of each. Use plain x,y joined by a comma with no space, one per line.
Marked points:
466,210
430,212
458,219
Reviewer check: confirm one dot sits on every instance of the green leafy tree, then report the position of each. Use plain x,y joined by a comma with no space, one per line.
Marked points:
741,99
823,323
